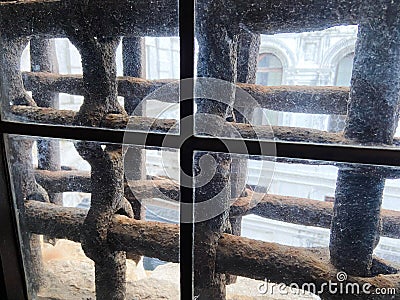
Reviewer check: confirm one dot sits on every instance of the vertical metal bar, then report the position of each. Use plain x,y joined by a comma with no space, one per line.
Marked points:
44,59
208,284
373,113
373,116
217,59
25,186
12,87
100,98
186,43
249,47
133,60
356,221
248,51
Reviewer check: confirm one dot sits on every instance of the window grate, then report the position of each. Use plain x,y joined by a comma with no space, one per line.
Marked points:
95,28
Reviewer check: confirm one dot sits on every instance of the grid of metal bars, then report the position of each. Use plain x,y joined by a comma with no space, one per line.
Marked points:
69,18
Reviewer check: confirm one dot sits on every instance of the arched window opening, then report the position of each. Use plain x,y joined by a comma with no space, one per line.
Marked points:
343,78
269,70
343,70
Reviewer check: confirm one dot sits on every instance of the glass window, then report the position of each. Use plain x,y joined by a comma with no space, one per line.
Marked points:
48,76
282,202
261,166
53,204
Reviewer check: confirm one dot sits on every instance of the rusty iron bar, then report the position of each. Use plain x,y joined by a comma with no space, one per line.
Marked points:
119,121
247,58
372,119
213,40
103,18
302,211
160,18
12,87
294,210
235,255
26,187
146,238
134,64
248,52
79,181
285,264
128,86
100,98
44,59
301,99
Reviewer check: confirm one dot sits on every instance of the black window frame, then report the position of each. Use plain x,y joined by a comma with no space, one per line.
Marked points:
11,260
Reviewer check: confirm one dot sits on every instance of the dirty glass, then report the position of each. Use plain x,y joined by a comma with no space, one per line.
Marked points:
279,228
90,64
101,220
299,72
83,217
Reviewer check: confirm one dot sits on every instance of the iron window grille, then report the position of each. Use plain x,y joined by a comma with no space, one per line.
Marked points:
346,14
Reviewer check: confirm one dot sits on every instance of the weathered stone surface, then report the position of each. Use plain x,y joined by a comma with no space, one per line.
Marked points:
69,274
154,289
247,289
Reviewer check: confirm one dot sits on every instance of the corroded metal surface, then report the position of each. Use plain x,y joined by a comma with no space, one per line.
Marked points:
100,98
373,115
282,208
300,99
44,59
235,255
110,17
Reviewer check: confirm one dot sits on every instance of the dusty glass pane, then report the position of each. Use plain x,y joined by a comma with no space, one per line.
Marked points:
279,223
92,65
96,220
299,72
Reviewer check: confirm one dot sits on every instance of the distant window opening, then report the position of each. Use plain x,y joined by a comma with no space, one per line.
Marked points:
343,70
269,70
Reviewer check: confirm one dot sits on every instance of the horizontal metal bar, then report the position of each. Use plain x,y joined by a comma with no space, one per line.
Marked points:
103,18
79,133
160,17
303,211
295,210
298,99
339,153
